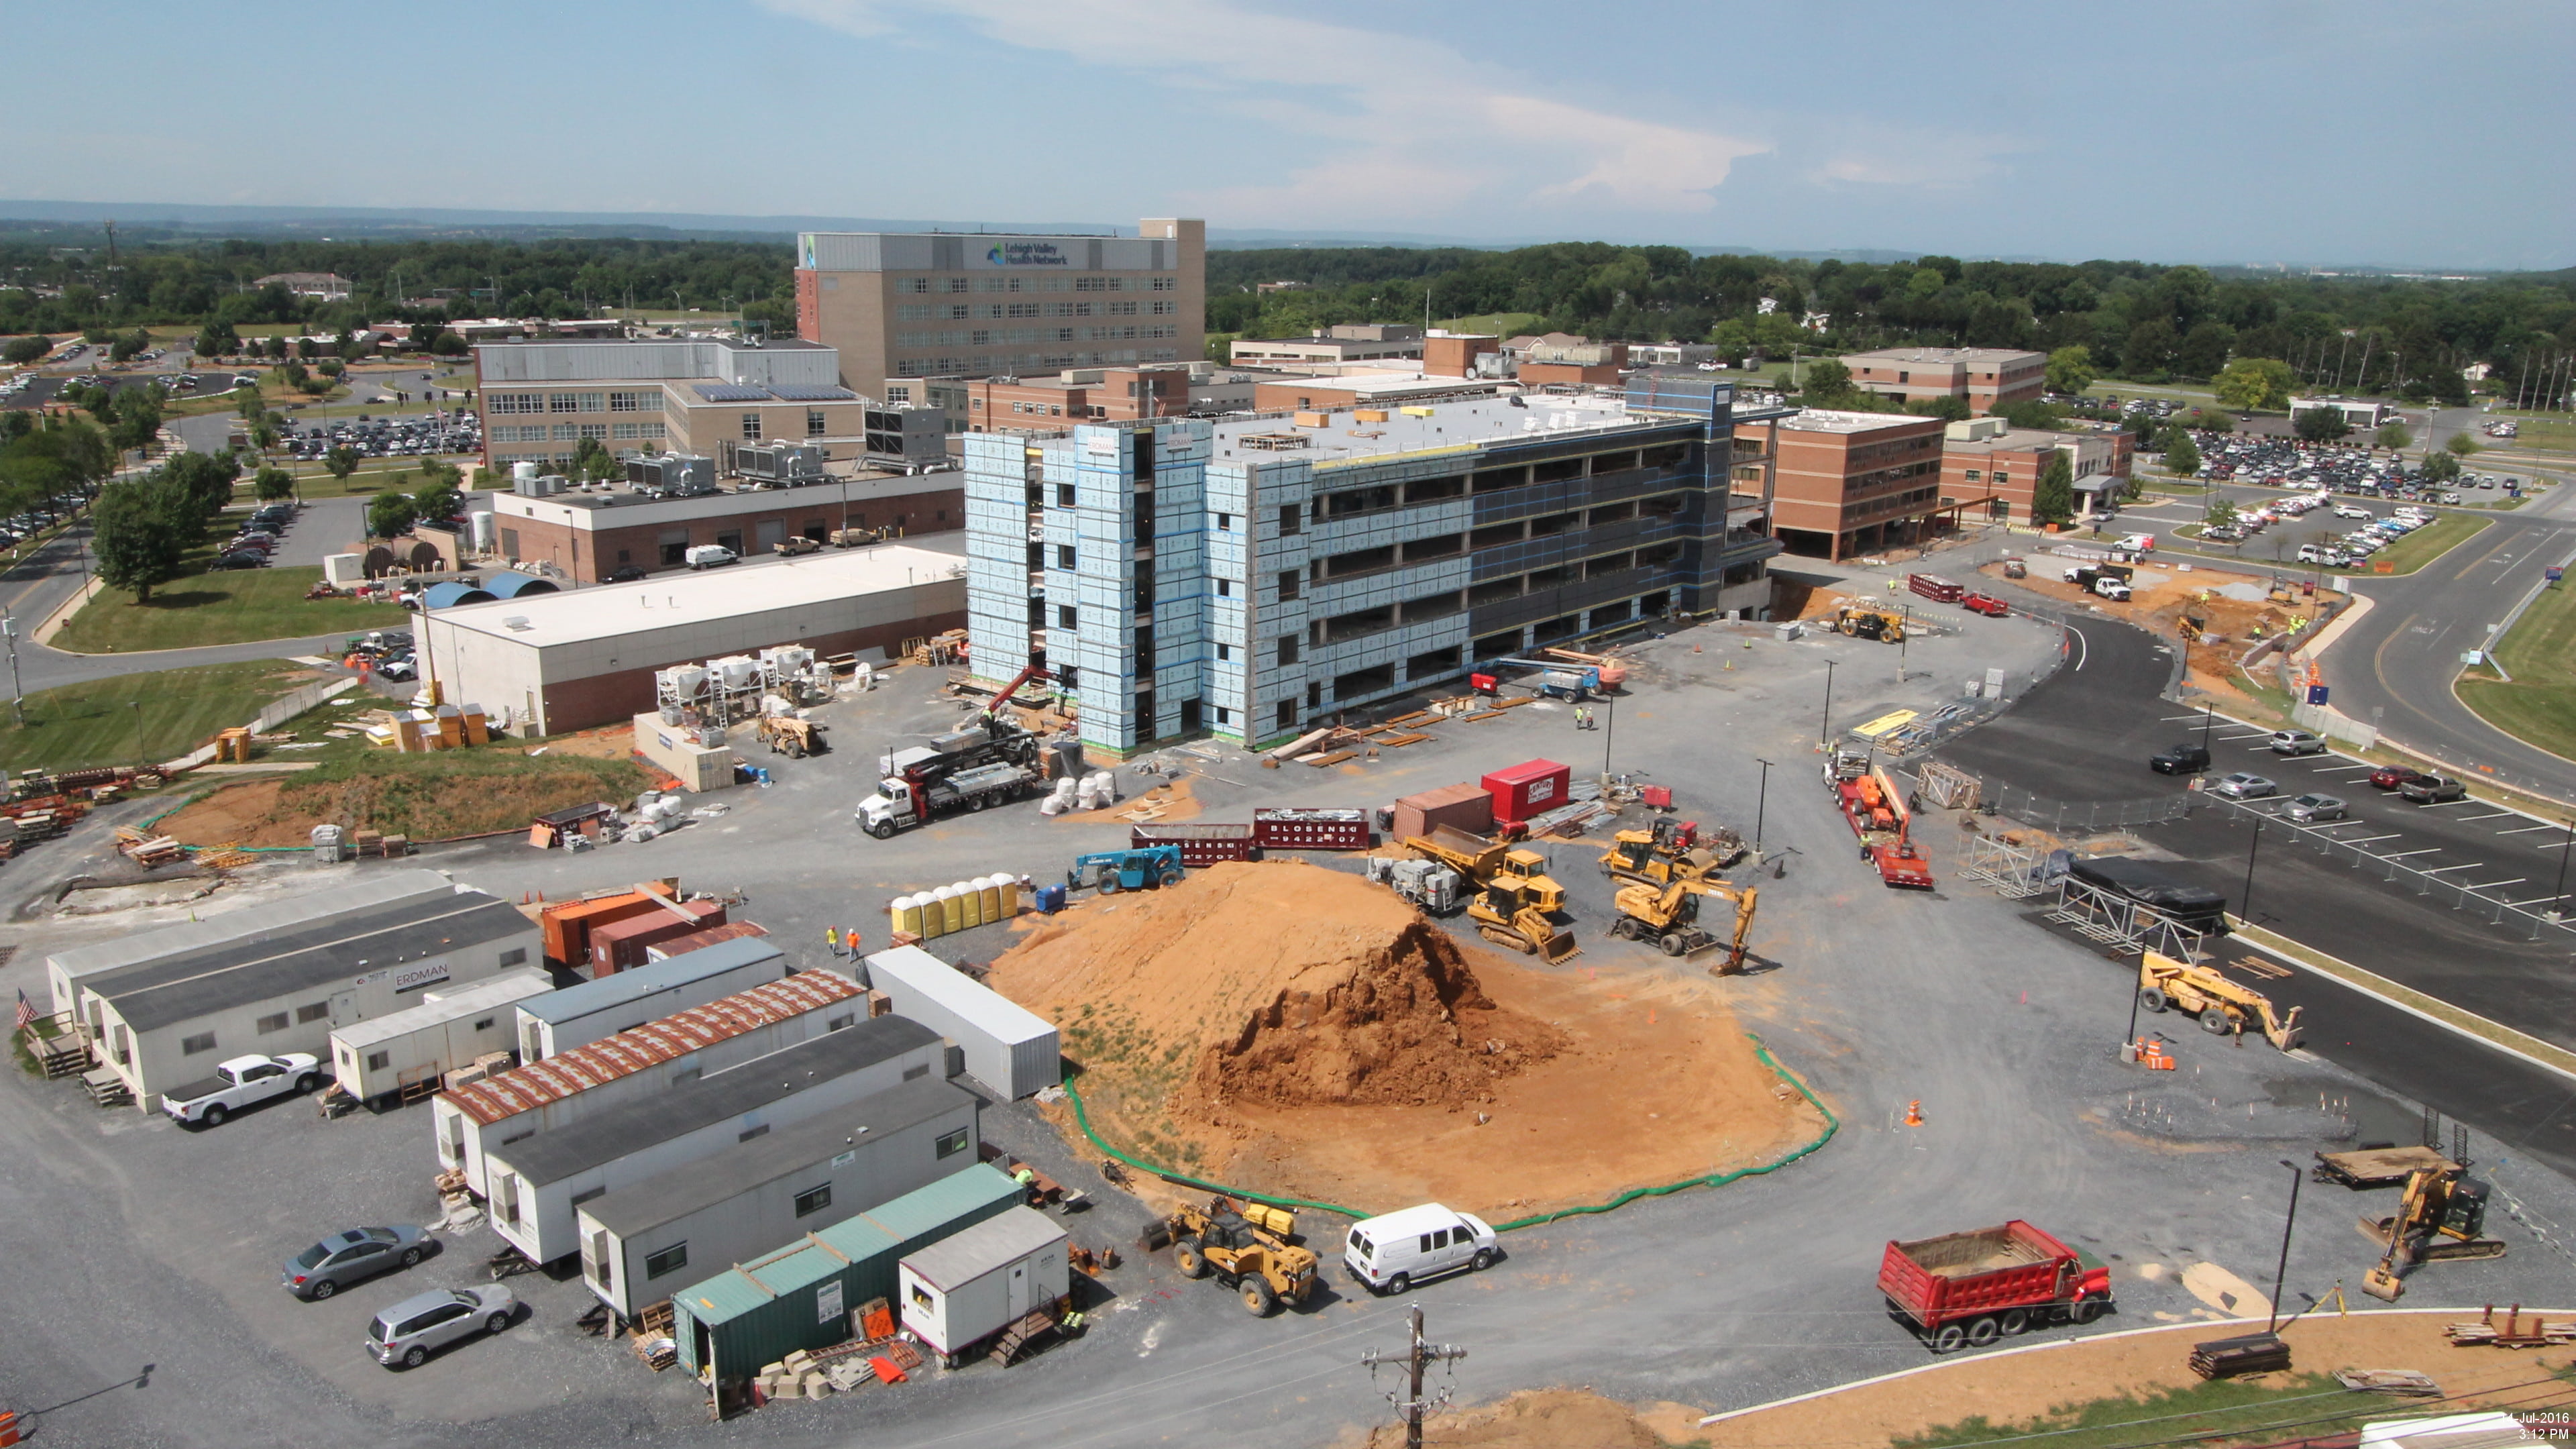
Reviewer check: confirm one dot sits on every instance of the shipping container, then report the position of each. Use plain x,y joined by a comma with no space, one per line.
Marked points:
1201,845
955,1294
683,945
1460,807
1005,1046
807,1294
1533,787
568,924
645,1060
380,1061
637,1243
620,945
537,1184
581,1014
1283,829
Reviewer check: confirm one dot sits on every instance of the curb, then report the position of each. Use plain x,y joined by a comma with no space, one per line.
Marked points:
2394,994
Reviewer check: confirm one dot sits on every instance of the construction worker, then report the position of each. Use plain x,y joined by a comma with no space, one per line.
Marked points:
1026,1177
832,939
850,939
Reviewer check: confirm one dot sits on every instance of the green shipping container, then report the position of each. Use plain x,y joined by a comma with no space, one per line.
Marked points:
802,1295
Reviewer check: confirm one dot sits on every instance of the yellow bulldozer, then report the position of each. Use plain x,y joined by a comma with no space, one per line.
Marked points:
1510,896
1669,918
1669,852
2223,1006
1868,621
1250,1248
2439,1219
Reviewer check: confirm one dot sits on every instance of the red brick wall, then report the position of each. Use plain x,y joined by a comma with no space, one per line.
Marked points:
590,557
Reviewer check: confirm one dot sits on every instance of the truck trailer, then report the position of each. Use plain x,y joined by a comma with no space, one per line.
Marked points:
902,801
1970,1289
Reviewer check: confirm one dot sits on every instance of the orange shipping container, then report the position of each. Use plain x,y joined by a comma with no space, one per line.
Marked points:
619,945
567,926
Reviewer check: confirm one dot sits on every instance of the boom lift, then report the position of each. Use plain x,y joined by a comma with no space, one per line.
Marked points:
1865,620
2222,1005
1510,896
1670,918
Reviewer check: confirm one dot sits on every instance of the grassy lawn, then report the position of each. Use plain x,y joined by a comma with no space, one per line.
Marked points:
2221,1411
436,796
1500,324
80,725
2539,706
242,606
371,477
2425,544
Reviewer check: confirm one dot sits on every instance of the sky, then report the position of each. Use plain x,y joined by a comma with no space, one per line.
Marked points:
2297,132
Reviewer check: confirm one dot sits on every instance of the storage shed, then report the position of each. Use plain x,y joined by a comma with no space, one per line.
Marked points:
637,1243
169,1020
538,1184
605,1006
620,945
639,1062
807,1294
1007,1047
960,1291
404,1056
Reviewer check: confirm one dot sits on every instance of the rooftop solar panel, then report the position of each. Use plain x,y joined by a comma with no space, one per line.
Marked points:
811,392
731,392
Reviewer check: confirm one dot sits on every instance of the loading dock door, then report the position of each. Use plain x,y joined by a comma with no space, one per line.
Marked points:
771,532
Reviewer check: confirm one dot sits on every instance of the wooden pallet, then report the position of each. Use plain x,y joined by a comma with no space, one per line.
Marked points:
1481,718
1335,758
2258,967
1397,742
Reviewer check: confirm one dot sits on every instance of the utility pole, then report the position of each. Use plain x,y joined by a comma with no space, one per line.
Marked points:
1824,720
18,692
1761,805
1419,1353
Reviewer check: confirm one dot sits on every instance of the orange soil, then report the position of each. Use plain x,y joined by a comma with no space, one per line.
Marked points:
2160,607
1298,1031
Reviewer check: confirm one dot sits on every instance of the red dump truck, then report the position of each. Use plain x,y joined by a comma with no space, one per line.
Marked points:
1969,1289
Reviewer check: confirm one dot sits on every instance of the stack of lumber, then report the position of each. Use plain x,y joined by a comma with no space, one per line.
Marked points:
2228,1358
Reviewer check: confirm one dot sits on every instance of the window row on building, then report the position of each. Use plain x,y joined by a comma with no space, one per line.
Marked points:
1056,282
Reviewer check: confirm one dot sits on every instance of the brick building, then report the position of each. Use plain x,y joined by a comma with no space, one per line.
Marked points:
1851,482
590,535
1989,378
1348,342
1988,468
539,399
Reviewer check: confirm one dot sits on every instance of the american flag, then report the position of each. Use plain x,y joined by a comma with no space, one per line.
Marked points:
26,1013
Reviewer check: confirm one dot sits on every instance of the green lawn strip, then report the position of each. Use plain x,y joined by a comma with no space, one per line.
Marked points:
1498,324
2538,705
238,606
78,726
2218,1412
2425,544
448,793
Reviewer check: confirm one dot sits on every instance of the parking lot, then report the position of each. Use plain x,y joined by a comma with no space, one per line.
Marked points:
161,1245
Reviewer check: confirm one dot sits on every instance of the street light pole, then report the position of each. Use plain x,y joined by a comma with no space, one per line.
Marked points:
1609,733
2208,720
18,692
2558,892
2245,905
1824,720
1762,802
2281,1274
140,757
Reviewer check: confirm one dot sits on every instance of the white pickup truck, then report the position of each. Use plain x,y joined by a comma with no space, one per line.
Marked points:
239,1083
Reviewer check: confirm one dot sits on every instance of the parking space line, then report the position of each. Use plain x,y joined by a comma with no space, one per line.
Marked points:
2527,829
2402,854
2447,804
2491,885
2347,769
2554,845
2439,869
2365,839
2490,815
2178,718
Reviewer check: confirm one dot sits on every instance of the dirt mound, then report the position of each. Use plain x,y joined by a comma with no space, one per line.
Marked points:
1535,1419
1296,1030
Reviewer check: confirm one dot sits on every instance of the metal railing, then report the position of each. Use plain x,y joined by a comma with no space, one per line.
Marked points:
2535,916
2115,920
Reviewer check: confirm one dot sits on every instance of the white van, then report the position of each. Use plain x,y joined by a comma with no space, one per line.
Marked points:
1390,1254
710,555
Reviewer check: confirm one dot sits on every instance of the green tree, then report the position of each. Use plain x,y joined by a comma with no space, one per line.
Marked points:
248,403
2220,514
124,348
2203,352
138,418
340,463
390,515
23,350
436,502
204,480
2070,369
2149,350
2461,444
139,535
591,459
2182,455
450,345
1947,408
217,339
1825,383
2441,468
2052,498
2256,384
273,485
2033,414
2321,424
2394,435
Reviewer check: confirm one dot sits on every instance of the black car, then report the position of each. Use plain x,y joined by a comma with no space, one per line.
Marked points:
627,574
2180,760
241,560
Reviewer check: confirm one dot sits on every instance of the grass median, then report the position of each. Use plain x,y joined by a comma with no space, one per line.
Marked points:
136,718
2538,704
237,606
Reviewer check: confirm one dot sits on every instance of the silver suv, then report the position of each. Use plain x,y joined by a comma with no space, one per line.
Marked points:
405,1333
2296,742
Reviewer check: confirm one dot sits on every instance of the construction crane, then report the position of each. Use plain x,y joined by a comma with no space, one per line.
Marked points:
2439,1219
1669,917
2223,1006
1510,895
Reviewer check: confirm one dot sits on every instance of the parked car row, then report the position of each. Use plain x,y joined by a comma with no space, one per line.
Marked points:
458,430
2189,758
258,538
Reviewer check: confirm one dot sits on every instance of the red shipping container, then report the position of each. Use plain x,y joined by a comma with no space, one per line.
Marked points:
1460,807
1532,788
619,946
683,945
1201,845
567,924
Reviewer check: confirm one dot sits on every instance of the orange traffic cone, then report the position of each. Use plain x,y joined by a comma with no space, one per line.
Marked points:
1914,1113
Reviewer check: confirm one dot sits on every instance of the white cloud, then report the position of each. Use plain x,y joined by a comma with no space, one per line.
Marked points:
1861,155
1401,128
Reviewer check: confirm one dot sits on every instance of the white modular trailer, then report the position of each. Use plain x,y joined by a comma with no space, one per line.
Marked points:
579,1015
377,1059
64,969
637,1243
539,1184
1007,1047
963,1289
652,1058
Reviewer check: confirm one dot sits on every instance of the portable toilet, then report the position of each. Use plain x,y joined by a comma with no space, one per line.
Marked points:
970,904
989,892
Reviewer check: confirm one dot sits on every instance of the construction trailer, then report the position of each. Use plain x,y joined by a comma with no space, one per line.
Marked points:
808,1294
64,970
620,945
641,1062
168,1020
604,1006
961,1292
538,1184
1001,1044
405,1056
637,1243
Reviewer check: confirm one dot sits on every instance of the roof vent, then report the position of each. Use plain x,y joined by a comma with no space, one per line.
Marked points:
516,621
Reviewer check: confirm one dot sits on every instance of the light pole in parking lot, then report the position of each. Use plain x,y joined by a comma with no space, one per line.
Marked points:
2245,906
1762,802
1825,719
2558,892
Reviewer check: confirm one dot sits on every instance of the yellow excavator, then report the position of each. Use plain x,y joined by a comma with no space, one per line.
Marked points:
2438,1220
2165,984
1510,896
1669,917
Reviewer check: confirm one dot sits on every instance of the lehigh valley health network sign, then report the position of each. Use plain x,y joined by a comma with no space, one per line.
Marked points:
1027,254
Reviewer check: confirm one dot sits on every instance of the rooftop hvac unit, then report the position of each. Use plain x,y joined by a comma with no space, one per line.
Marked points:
673,475
783,465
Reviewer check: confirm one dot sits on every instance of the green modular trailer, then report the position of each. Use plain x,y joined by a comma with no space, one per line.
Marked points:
802,1295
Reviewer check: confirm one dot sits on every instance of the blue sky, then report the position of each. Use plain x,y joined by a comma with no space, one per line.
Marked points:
2297,131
